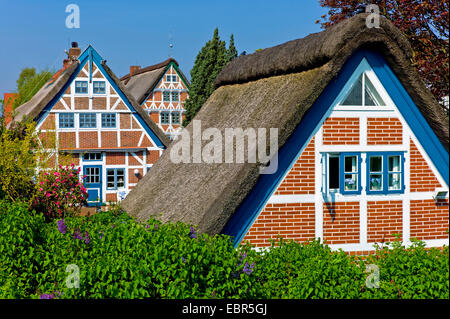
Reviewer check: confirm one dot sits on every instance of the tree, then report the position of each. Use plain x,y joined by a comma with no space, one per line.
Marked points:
29,83
423,22
209,62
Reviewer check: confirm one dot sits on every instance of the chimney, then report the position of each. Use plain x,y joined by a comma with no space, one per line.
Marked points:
134,69
74,51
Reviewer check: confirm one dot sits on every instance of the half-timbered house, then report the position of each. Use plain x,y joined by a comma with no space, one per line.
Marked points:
92,118
161,90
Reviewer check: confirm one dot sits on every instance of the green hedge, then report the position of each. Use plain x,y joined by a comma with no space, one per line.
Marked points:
120,258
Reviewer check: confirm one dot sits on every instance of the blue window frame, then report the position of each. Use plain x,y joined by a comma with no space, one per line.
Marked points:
175,96
99,87
81,87
385,173
109,120
115,178
88,120
350,173
66,120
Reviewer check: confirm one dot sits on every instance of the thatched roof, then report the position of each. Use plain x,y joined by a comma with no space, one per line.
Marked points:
141,83
33,108
273,88
45,95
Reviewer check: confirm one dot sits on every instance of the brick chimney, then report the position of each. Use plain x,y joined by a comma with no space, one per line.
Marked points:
72,55
134,69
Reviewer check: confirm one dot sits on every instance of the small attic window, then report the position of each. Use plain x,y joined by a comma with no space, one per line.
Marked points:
81,87
363,93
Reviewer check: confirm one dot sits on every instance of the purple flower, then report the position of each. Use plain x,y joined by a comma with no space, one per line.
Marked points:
47,296
87,239
192,233
77,234
112,226
101,234
248,268
62,227
184,260
147,226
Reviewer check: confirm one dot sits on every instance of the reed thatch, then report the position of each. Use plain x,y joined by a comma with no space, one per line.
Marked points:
273,88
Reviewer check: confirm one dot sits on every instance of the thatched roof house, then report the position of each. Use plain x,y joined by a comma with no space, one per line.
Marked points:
289,87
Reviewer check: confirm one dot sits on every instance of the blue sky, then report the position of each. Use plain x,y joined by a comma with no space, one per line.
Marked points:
33,33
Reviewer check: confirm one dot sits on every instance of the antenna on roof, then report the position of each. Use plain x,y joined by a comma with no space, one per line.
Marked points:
170,45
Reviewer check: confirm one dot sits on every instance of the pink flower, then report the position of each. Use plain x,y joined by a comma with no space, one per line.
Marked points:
48,194
40,189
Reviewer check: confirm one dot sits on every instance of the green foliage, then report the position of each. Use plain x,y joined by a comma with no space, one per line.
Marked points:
209,62
120,258
18,161
29,83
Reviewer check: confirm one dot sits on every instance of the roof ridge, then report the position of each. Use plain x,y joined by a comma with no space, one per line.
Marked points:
150,68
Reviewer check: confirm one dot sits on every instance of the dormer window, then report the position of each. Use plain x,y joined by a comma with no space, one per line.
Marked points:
81,87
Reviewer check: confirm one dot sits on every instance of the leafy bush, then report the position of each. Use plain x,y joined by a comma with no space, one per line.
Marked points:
120,258
59,192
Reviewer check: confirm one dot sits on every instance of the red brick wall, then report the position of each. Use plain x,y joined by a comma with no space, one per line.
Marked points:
132,161
384,131
152,156
341,131
384,218
429,220
115,158
130,138
422,178
88,139
49,122
341,223
290,221
111,197
67,140
301,177
109,139
132,179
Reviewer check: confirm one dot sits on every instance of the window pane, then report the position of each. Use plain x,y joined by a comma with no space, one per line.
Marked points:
99,87
120,177
375,182
394,163
350,164
165,117
81,86
371,96
66,120
376,164
350,182
333,172
175,117
110,178
354,97
394,181
175,96
88,120
109,120
166,96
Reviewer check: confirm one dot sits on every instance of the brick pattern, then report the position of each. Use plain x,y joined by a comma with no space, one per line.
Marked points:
67,140
152,156
130,138
341,223
49,122
132,179
109,139
99,103
88,139
81,103
422,178
341,131
382,131
132,161
111,197
291,221
301,177
429,219
115,158
384,218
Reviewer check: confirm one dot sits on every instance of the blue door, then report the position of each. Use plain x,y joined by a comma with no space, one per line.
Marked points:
93,183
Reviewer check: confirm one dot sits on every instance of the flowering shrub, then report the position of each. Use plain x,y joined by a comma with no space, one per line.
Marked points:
59,192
